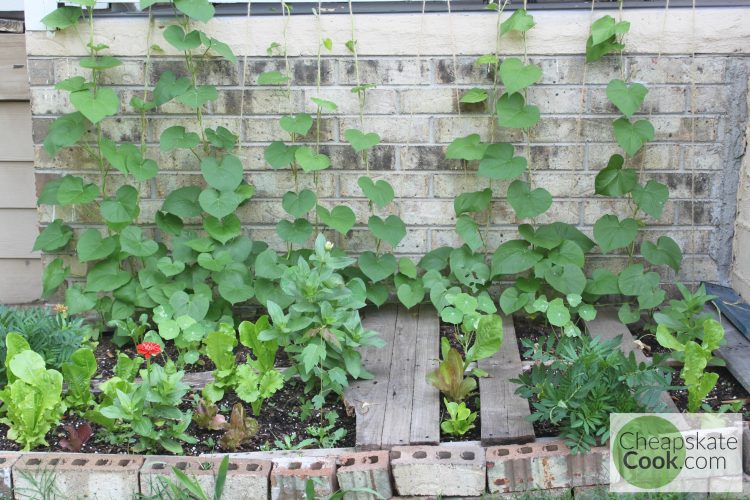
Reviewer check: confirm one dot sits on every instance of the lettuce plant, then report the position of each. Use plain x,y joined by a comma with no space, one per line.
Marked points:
449,377
77,374
461,419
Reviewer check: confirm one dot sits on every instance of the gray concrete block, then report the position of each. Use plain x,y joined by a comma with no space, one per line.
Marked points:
289,477
439,470
370,470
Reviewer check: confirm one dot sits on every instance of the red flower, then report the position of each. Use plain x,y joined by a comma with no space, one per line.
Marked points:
148,349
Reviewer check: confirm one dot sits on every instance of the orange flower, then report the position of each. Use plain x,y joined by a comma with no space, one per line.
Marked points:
60,308
148,349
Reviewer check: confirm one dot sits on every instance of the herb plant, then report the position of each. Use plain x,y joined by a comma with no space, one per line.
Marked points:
685,317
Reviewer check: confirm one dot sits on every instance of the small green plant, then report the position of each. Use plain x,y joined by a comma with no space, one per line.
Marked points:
239,430
696,354
327,435
685,317
77,374
461,419
287,442
32,399
449,377
185,487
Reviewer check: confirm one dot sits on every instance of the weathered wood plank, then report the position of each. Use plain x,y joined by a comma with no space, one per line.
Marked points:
398,410
607,326
736,351
504,414
425,417
367,397
14,79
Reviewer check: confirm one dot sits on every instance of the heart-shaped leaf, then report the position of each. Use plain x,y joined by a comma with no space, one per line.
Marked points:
64,131
516,75
341,218
181,41
557,314
123,208
183,202
106,276
297,232
310,161
225,175
95,106
62,17
498,163
665,252
391,230
234,288
132,242
219,203
195,305
519,21
299,124
297,205
99,63
55,236
222,230
200,10
606,27
411,293
215,263
633,281
613,180
527,202
468,229
566,279
377,268
651,198
377,293
511,300
602,282
610,233
360,141
91,246
512,112
279,155
324,104
169,86
380,192
195,97
632,136
472,202
272,78
513,257
628,99
473,96
177,137
466,148
170,268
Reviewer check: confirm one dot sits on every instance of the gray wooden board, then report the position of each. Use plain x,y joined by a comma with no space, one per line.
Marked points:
399,402
607,326
425,417
367,397
736,352
504,414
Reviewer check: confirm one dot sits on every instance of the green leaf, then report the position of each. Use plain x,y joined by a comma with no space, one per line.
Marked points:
360,141
183,202
297,232
473,96
221,138
170,268
62,17
234,289
391,230
528,203
272,78
169,86
79,302
472,202
377,268
310,161
54,275
377,293
596,52
196,305
567,253
628,99
557,314
196,97
99,63
91,246
299,124
587,312
665,252
96,106
222,230
516,75
498,163
324,104
379,192
411,293
666,339
223,176
610,233
220,48
123,208
298,205
511,300
512,112
132,242
219,203
633,281
177,137
519,21
72,191
55,236
341,218
106,276
606,27
613,180
566,279
626,315
488,339
651,198
468,229
279,155
200,10
72,84
466,148
602,282
65,131
513,257
632,136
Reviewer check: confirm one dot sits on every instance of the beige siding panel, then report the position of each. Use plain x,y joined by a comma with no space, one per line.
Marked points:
14,78
18,230
15,124
17,185
20,280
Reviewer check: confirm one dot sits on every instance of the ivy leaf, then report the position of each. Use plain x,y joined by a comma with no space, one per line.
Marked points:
183,202
299,124
272,78
512,112
62,18
516,75
91,246
566,279
528,203
54,237
219,203
632,136
651,198
519,21
628,99
513,257
177,137
216,263
498,163
225,175
341,218
473,96
222,230
95,106
613,180
54,275
200,10
132,242
472,202
72,191
596,52
466,148
377,268
297,232
298,205
468,230
391,230
195,97
279,155
665,252
66,130
310,161
379,192
106,276
360,141
610,233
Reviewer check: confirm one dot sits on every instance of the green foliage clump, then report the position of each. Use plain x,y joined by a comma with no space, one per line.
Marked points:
460,419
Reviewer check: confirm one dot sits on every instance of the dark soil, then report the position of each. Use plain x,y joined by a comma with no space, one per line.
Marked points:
449,331
533,330
727,390
543,428
279,416
650,345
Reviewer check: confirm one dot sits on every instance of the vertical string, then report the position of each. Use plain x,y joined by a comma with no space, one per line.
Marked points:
693,107
243,80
